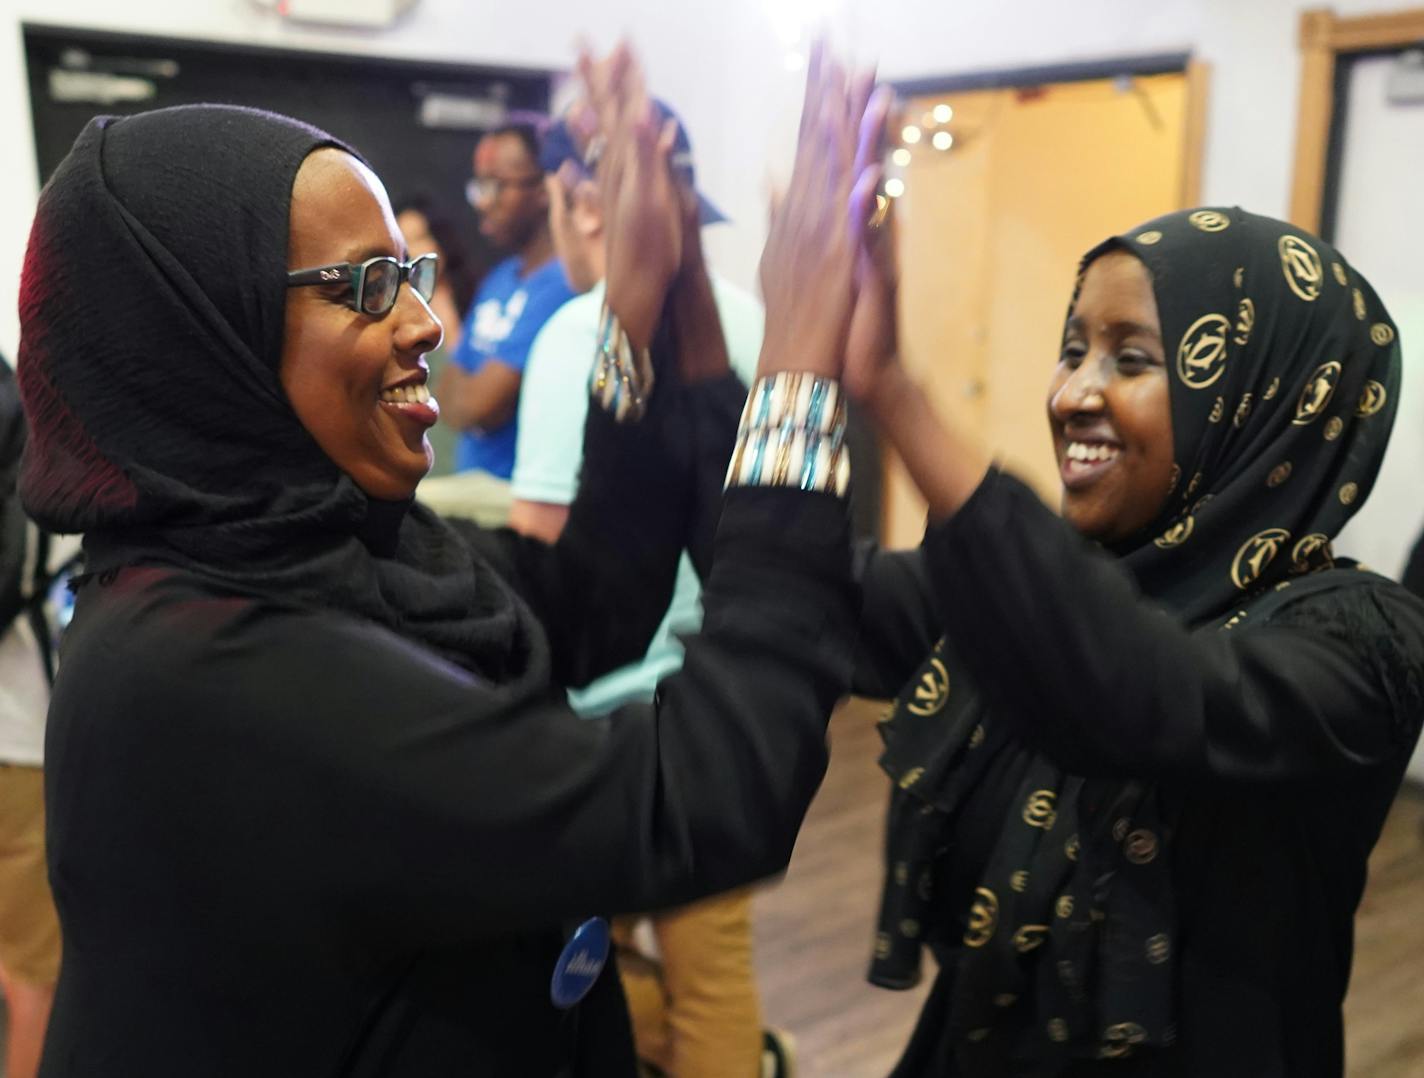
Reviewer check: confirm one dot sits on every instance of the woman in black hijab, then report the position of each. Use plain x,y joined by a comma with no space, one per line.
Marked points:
1140,755
317,803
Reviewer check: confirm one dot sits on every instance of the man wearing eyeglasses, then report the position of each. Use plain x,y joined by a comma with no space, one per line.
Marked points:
479,388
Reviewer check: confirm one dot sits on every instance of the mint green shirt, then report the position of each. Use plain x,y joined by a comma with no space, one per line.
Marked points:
553,404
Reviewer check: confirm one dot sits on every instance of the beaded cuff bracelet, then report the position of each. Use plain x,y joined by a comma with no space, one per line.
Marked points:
622,378
792,434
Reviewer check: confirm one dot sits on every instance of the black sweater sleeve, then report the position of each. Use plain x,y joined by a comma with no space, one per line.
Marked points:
361,774
1065,648
648,491
898,624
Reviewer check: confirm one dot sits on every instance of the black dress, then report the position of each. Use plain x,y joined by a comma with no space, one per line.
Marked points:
286,841
1282,740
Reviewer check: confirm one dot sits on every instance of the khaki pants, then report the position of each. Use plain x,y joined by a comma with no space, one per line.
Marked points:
29,926
696,1012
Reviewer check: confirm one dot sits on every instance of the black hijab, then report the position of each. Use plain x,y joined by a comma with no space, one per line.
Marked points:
1284,374
152,307
12,517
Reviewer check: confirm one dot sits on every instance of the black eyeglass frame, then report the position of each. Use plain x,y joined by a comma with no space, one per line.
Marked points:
355,275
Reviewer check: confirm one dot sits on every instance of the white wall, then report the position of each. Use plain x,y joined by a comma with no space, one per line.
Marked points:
721,63
1381,227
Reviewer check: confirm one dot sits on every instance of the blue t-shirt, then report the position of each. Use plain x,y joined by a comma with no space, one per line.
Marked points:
507,314
553,405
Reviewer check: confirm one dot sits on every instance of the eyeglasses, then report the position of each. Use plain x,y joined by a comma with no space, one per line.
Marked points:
376,282
488,188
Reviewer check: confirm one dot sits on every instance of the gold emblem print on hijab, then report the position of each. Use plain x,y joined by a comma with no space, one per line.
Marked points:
1301,265
1201,357
1360,310
1210,221
1030,938
1140,847
932,690
1317,393
1245,320
1121,1039
1382,333
983,918
1177,534
1304,556
1255,555
1039,811
1243,411
1339,273
1372,399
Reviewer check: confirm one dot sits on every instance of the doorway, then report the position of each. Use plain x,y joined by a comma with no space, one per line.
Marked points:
1004,189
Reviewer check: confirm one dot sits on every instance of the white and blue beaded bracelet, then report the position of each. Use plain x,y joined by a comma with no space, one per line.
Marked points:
792,434
622,378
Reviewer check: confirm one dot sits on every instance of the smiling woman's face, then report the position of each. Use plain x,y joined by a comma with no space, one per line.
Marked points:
347,374
1108,403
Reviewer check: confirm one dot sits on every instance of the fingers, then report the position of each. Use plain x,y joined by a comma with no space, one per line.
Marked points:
667,139
862,86
811,102
863,205
872,119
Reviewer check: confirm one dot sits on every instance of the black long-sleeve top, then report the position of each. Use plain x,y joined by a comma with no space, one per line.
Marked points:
1284,744
287,842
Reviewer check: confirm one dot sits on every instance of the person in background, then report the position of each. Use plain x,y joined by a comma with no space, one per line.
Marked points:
479,389
697,1011
29,926
426,231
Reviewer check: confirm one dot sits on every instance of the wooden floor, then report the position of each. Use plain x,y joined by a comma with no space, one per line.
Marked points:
814,933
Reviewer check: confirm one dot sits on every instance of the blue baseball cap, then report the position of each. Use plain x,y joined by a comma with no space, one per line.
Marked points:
557,145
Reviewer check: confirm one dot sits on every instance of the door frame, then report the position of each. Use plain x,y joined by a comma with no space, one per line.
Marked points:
1197,74
1325,38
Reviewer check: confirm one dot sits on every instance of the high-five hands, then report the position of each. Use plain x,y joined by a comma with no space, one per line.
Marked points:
814,246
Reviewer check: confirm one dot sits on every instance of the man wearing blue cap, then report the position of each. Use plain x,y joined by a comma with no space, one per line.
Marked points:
697,1012
479,388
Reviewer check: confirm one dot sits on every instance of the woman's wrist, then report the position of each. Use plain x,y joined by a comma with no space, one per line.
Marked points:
945,465
888,396
792,434
697,327
638,308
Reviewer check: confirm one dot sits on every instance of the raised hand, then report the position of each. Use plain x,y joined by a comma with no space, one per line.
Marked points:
872,360
642,215
808,268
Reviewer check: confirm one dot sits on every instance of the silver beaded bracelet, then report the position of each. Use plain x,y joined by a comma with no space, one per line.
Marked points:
792,434
622,378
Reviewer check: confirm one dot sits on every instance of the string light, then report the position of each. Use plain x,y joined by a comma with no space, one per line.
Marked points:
901,157
894,187
943,114
942,140
911,134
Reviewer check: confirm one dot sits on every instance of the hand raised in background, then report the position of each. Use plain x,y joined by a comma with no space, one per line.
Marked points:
642,209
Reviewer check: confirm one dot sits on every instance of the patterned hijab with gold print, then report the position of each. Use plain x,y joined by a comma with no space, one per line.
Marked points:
1284,375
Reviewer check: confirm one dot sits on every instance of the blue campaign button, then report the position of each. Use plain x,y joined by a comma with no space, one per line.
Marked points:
582,960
